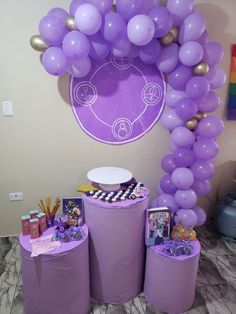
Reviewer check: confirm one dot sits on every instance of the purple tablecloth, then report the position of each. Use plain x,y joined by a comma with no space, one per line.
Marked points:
170,281
117,251
56,282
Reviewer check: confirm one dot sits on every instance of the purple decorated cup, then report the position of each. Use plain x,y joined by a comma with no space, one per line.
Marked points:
50,221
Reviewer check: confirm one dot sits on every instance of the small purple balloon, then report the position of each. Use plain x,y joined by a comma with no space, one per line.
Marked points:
191,53
52,30
133,52
88,19
150,53
167,185
168,59
60,13
216,78
180,8
182,178
103,6
99,47
205,149
203,169
186,108
173,96
148,5
192,28
201,188
140,30
183,157
182,137
76,45
187,217
213,53
172,146
185,198
122,47
167,200
179,77
54,61
210,127
74,6
167,164
201,215
209,103
170,120
197,87
79,68
114,27
162,19
128,8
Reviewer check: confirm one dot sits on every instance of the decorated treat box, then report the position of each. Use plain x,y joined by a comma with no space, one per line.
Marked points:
34,228
157,226
25,224
42,222
33,213
73,208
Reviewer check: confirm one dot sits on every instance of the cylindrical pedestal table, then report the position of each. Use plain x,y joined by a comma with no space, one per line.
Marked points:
117,251
170,280
56,282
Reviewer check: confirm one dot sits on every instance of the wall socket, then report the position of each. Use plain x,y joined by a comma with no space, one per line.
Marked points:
16,196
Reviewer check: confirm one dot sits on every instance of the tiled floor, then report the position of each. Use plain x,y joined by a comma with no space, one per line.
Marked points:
216,281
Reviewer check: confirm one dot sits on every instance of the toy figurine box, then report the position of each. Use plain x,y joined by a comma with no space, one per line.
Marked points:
74,207
157,226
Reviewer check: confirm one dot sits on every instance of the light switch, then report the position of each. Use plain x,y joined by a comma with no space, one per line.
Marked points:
7,108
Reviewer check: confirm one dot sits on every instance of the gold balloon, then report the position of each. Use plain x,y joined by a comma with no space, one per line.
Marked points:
175,32
38,43
200,115
191,124
167,39
201,69
70,23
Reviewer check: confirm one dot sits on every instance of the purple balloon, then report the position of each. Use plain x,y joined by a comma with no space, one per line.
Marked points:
122,47
180,9
191,53
114,27
148,5
182,137
88,19
197,87
186,108
192,28
162,19
205,149
201,188
74,6
150,53
209,103
173,96
201,215
128,8
182,178
60,13
186,198
210,126
203,40
76,45
99,48
213,53
79,68
168,59
202,169
216,78
183,157
180,76
167,185
167,164
188,217
103,6
170,120
52,30
167,200
172,146
140,30
54,61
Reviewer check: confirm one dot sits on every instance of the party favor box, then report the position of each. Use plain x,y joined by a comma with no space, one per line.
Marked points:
157,226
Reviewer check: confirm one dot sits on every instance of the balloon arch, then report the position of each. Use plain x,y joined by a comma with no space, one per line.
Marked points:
173,38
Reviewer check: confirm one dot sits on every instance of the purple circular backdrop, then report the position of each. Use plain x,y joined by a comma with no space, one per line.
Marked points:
119,100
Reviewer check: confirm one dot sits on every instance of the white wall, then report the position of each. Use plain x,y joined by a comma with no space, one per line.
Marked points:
43,150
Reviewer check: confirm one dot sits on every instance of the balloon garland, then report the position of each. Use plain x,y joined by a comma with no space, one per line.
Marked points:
173,38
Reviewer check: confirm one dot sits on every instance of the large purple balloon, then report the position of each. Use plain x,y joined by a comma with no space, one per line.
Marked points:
205,149
167,185
180,76
201,215
197,87
170,120
182,137
186,108
180,9
187,217
216,78
203,169
167,164
140,30
128,8
114,27
52,30
75,45
191,53
167,200
213,53
209,103
182,178
192,28
162,19
74,6
88,19
54,61
99,47
168,59
173,96
103,6
186,198
183,157
150,53
210,127
60,13
201,188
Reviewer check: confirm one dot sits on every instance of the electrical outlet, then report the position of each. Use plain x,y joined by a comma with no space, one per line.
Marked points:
7,108
16,196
